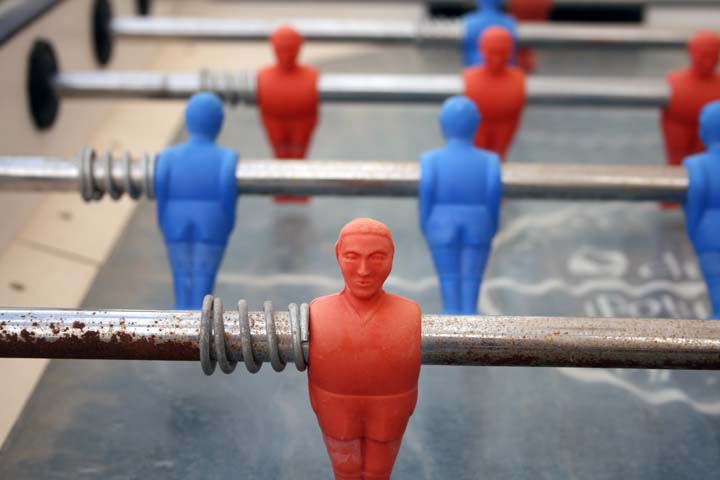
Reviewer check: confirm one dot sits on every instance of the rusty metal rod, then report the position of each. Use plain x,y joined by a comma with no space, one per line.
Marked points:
95,175
446,340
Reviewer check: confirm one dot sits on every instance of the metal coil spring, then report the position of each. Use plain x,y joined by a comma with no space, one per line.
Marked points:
432,30
232,87
92,188
213,350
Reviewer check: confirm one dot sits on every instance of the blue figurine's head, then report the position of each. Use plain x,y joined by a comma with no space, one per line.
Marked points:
204,116
488,4
710,124
459,118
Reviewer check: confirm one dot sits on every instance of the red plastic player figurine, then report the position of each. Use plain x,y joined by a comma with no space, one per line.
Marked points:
498,90
288,99
364,357
529,11
691,89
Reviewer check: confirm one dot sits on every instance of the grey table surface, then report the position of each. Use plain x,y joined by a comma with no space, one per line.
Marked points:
163,420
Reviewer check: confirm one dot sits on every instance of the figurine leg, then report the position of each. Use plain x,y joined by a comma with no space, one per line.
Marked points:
379,458
207,258
679,140
474,259
194,266
301,136
279,136
447,265
346,457
180,256
710,265
503,135
295,147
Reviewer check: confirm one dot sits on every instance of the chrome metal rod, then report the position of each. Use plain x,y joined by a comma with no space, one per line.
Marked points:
520,180
630,3
446,340
311,29
38,174
553,35
240,87
421,32
95,175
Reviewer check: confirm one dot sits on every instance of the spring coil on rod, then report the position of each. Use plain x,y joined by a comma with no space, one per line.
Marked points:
232,87
430,30
213,349
92,188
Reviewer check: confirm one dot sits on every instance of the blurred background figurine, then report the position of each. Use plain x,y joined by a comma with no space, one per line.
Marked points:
287,95
488,14
691,89
459,206
498,90
529,11
702,203
364,357
196,194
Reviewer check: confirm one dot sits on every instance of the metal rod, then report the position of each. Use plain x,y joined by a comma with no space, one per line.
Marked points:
240,87
96,175
600,3
548,35
446,340
38,174
520,180
411,31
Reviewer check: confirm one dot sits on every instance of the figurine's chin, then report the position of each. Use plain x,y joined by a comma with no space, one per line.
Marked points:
363,293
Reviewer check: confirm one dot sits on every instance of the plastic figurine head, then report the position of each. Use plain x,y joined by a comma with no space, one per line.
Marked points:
459,119
204,116
286,42
364,251
488,4
496,44
710,125
704,49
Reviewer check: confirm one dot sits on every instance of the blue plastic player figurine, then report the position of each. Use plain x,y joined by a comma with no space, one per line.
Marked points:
196,194
459,203
702,203
488,14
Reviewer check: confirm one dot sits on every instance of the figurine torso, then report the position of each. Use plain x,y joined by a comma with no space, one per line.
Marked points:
499,98
288,94
465,196
194,205
377,353
689,93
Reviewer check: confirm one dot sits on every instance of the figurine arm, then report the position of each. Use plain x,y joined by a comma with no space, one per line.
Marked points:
695,197
494,189
161,177
228,186
426,189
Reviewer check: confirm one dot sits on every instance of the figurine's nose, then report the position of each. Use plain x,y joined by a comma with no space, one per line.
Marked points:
363,268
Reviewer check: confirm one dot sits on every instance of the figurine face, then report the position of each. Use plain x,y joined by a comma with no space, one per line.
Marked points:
286,53
365,261
496,57
704,59
496,45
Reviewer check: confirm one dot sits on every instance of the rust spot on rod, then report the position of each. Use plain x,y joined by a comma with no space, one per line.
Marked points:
89,345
